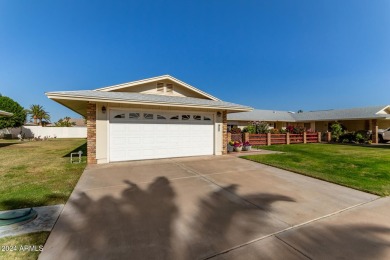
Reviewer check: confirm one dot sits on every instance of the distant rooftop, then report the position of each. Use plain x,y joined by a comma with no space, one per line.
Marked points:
373,112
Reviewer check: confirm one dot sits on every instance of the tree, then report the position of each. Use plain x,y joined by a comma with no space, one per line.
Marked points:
65,122
38,113
19,114
337,130
34,112
300,111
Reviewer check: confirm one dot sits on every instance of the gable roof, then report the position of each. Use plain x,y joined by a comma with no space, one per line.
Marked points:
145,99
373,112
158,78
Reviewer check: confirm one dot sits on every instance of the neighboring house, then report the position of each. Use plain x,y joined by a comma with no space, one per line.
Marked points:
159,117
354,119
6,114
79,122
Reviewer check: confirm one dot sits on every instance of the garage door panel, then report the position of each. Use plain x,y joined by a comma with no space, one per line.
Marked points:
152,139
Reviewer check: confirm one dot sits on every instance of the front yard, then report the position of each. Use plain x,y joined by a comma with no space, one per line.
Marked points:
366,168
36,173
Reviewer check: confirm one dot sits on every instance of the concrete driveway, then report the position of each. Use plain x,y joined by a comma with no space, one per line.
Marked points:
215,207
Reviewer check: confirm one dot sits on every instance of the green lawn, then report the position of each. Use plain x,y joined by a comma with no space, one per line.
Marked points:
18,246
366,168
36,173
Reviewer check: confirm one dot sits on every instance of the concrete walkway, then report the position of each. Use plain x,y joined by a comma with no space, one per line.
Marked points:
216,207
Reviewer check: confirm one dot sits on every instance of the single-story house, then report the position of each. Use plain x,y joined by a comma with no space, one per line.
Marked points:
5,114
353,119
159,117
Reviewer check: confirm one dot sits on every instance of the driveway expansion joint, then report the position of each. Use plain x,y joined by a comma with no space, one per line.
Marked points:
287,244
290,228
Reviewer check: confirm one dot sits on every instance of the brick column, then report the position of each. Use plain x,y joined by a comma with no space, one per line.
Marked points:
304,137
224,132
268,138
91,133
287,138
374,125
319,137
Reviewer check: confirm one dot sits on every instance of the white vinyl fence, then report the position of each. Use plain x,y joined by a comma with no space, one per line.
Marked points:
49,132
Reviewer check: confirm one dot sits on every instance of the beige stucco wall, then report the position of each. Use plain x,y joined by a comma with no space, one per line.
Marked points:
101,133
321,126
383,124
355,125
151,88
102,126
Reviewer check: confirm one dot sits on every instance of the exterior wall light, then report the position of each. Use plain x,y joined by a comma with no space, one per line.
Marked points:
104,109
219,114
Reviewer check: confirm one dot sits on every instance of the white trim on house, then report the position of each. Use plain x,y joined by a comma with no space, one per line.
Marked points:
158,78
5,113
56,96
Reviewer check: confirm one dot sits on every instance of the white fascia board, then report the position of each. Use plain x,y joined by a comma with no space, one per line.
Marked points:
382,111
163,77
4,113
138,102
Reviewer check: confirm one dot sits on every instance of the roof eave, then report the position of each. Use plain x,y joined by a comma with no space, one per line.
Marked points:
230,109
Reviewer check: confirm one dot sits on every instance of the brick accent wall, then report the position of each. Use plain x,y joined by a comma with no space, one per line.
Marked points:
91,133
224,132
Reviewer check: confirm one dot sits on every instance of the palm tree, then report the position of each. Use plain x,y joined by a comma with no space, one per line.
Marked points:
43,115
38,113
35,111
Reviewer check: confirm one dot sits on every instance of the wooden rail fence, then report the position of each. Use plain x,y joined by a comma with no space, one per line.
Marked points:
270,139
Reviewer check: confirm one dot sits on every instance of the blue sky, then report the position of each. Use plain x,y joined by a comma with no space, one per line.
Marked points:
282,55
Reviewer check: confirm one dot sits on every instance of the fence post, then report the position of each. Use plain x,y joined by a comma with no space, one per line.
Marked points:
328,137
304,137
229,137
319,137
287,138
245,137
268,138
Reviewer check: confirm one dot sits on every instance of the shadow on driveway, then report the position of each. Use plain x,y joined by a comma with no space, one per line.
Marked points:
142,224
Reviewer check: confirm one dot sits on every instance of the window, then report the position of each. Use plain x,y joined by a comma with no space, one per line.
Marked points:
197,117
169,87
206,118
133,115
120,116
174,118
148,116
160,87
161,117
185,117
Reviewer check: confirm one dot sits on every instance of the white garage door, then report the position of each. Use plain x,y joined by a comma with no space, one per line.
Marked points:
138,135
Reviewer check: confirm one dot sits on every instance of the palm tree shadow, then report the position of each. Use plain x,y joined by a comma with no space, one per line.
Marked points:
144,223
225,218
135,225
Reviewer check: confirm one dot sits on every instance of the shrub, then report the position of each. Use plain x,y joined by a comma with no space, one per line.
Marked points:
283,131
274,131
250,129
359,138
295,129
261,127
235,130
337,130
